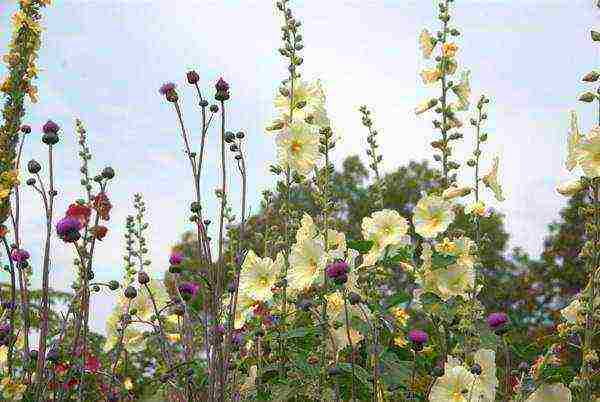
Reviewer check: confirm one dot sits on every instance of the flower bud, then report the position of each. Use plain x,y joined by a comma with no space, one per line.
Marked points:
456,192
130,292
192,77
587,97
108,173
33,166
25,129
113,285
592,76
143,278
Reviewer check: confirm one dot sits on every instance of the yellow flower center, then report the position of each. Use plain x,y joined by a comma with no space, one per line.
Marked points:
296,146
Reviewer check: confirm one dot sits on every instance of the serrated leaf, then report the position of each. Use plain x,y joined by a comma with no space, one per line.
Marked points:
362,246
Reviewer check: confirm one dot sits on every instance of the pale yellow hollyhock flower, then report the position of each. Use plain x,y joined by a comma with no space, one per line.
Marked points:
385,228
336,240
463,91
128,384
573,141
243,309
454,280
432,215
298,147
258,276
134,339
456,192
588,153
308,103
307,264
430,76
477,208
551,393
486,383
425,106
570,188
491,180
449,49
573,313
340,336
427,43
454,386
465,251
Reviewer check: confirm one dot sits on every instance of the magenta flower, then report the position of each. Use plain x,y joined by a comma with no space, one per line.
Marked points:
497,320
188,290
166,88
222,85
337,269
192,77
176,258
50,127
19,255
68,229
418,338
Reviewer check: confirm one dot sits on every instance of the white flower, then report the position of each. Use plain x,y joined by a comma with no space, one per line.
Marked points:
463,91
307,264
570,187
308,103
573,312
485,386
454,280
456,192
454,386
588,153
427,43
298,147
430,76
432,215
491,180
551,393
384,228
572,142
258,276
425,106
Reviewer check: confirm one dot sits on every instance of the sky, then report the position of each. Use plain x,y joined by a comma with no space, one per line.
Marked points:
103,61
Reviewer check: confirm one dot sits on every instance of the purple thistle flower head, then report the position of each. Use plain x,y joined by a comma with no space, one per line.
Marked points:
166,88
418,337
497,320
50,127
188,289
337,269
19,255
192,77
68,229
176,258
222,85
4,329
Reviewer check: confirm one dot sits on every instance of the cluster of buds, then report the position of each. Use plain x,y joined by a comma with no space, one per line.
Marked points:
338,271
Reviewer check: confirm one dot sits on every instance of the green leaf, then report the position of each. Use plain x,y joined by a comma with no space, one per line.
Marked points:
300,332
439,260
360,373
362,246
398,298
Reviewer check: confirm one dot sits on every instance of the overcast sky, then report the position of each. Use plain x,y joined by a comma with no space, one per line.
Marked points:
104,60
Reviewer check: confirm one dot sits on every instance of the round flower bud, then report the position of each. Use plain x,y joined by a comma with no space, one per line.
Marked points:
143,278
203,103
25,129
354,298
130,292
33,166
229,137
113,285
476,369
192,77
240,135
96,288
30,181
50,138
108,172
